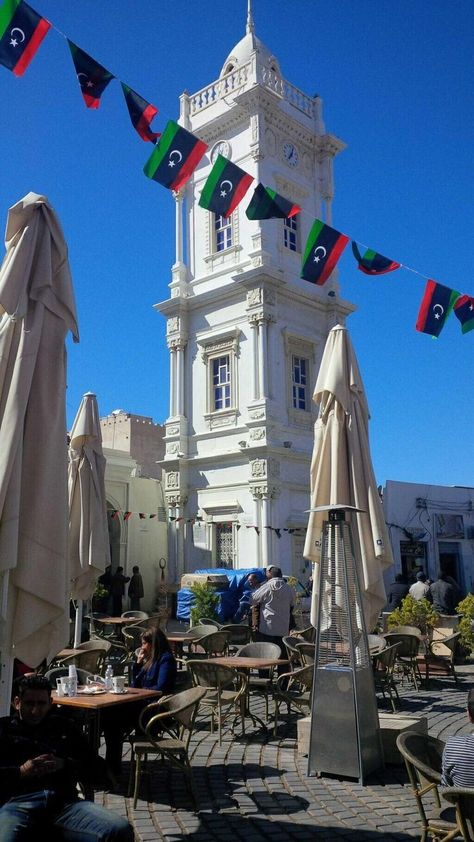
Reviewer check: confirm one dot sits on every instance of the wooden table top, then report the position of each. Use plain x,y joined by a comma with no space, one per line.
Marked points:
241,662
102,700
179,637
118,621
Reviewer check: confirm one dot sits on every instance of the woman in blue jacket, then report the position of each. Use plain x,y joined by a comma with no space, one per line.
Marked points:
154,669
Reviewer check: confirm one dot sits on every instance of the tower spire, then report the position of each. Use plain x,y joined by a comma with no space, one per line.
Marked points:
250,23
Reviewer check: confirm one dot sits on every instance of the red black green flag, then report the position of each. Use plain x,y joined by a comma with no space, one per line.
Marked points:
141,114
437,303
323,249
175,157
92,77
464,310
21,33
373,263
225,187
268,204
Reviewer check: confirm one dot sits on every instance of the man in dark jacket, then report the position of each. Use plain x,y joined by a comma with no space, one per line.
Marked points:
42,757
117,590
397,592
443,594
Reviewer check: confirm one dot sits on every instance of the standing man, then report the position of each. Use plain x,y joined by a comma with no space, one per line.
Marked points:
420,589
135,589
443,594
276,600
397,593
458,755
117,590
42,758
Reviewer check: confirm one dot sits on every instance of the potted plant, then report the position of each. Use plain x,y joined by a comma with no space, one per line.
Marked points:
205,602
414,612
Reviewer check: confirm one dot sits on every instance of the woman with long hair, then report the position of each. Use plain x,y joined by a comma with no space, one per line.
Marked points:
154,669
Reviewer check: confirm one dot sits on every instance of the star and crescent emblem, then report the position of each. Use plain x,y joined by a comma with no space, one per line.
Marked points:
317,258
438,313
14,40
172,162
224,192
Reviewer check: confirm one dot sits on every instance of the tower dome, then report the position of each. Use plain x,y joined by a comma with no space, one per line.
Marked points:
249,44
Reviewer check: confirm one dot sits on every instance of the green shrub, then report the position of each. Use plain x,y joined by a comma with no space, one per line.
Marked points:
466,610
414,612
205,602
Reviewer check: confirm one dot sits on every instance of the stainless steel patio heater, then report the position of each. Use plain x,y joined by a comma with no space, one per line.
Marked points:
345,735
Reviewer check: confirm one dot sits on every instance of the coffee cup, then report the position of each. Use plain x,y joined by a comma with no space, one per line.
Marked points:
60,687
64,686
118,684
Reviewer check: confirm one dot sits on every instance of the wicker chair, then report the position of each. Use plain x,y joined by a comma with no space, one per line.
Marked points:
204,621
135,615
308,634
261,682
384,679
463,800
167,726
132,636
213,644
439,659
407,655
307,652
423,759
239,635
225,691
92,660
292,652
293,688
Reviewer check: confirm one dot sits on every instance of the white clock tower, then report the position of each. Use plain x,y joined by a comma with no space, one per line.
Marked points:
244,332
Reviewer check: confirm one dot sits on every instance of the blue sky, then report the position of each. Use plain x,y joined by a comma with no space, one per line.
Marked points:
397,81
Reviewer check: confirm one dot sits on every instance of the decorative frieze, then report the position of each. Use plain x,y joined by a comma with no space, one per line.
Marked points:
172,480
172,325
257,434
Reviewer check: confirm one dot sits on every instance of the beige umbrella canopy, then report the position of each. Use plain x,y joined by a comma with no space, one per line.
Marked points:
89,551
37,309
341,470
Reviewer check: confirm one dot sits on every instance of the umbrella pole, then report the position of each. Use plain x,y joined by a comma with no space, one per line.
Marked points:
78,623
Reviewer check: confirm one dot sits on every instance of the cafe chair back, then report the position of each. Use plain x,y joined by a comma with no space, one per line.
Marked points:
204,621
214,644
261,681
135,615
294,689
92,660
167,726
132,636
239,635
423,756
225,688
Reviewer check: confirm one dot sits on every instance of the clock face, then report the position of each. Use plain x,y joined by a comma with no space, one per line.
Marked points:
222,147
290,154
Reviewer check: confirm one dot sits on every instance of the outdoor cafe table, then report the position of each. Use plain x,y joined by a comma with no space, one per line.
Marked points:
92,705
178,640
241,663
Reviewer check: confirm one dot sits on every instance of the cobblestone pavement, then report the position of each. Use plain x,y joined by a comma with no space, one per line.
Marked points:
256,788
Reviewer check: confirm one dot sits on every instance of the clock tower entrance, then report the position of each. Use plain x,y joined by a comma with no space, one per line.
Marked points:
244,332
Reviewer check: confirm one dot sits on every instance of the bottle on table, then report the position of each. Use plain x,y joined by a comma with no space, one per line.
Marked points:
108,680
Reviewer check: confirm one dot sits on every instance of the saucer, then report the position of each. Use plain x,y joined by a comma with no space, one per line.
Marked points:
118,692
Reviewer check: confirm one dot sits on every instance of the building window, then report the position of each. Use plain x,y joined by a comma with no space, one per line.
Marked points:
223,233
290,233
221,382
224,545
300,369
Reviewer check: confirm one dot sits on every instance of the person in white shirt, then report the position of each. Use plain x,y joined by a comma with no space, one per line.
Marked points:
420,588
276,599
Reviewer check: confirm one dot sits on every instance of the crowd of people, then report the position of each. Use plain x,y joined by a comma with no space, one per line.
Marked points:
444,593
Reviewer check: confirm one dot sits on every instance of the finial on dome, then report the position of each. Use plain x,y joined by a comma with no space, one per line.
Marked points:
250,23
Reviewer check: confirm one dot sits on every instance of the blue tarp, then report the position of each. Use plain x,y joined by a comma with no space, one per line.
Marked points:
229,598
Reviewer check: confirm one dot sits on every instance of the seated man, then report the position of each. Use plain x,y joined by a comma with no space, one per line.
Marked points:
458,755
42,757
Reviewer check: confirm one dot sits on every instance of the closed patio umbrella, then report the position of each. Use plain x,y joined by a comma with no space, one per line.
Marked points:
37,309
342,472
89,551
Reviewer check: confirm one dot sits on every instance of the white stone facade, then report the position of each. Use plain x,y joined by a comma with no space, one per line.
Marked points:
431,526
243,330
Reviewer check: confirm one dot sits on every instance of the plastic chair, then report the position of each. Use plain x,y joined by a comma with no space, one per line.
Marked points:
423,760
293,688
261,682
135,615
225,691
384,667
167,725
